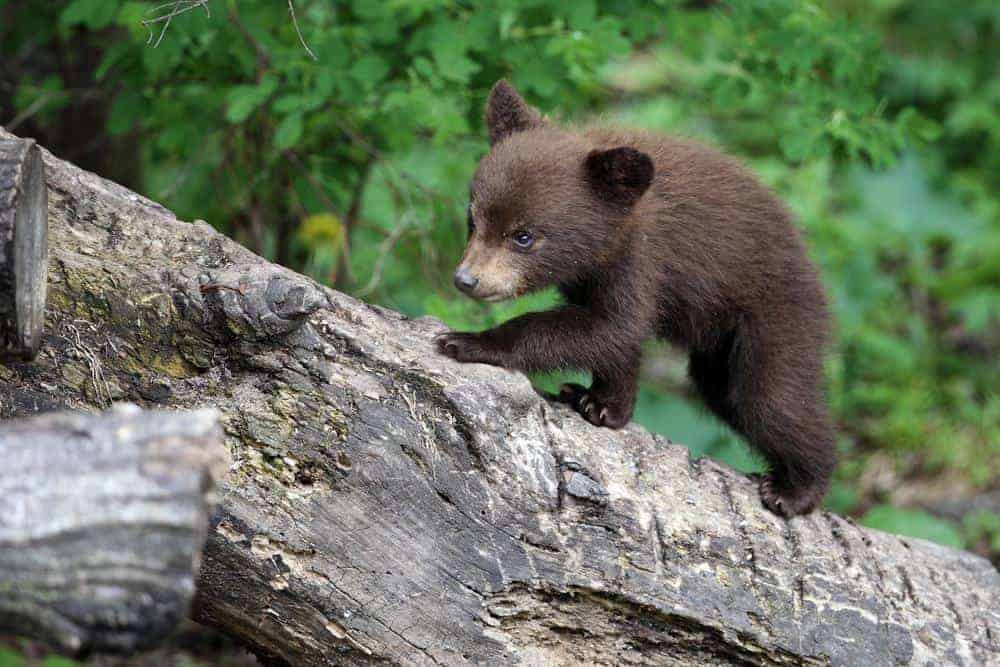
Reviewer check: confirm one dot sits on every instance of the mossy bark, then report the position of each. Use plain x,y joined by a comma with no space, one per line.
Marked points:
387,505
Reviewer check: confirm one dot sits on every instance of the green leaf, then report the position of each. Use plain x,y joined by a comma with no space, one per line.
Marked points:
114,56
93,14
59,661
46,98
608,32
288,104
842,498
689,424
130,17
289,132
243,100
581,14
126,109
508,20
914,523
9,658
918,125
797,145
449,52
369,70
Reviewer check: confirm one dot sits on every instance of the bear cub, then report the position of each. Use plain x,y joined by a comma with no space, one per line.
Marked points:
647,235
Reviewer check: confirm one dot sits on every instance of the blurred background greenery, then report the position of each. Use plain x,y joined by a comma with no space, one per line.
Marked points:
876,121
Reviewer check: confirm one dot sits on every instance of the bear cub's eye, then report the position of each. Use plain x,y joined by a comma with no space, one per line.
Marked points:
469,222
523,240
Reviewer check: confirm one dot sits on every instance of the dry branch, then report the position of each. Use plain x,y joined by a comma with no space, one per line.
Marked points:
389,505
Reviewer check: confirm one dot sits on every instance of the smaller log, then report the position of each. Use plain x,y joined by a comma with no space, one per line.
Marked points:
23,248
102,524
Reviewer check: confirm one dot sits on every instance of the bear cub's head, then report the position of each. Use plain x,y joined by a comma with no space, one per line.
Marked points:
546,206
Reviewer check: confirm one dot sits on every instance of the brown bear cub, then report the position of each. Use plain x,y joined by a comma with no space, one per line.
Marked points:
650,235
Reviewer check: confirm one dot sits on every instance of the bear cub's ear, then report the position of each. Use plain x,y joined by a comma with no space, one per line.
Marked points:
507,113
619,175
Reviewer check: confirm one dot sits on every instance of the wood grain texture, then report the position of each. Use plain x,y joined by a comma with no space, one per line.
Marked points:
102,524
23,247
387,505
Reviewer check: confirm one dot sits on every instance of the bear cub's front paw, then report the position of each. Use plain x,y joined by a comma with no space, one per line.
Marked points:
464,347
598,411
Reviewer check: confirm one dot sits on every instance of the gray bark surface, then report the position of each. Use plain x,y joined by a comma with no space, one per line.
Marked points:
23,247
102,524
387,505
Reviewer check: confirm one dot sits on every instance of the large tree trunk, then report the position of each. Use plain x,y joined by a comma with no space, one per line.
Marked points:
102,524
388,505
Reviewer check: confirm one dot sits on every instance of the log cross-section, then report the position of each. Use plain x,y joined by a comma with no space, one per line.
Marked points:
23,247
389,506
102,524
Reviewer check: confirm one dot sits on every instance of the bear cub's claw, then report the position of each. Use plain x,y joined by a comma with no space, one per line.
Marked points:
464,347
788,502
591,408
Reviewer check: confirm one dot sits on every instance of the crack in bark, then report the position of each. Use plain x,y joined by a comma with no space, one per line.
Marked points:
739,525
838,534
792,538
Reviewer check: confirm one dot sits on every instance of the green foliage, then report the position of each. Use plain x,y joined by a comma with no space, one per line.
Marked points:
914,523
875,121
92,14
983,526
817,73
11,658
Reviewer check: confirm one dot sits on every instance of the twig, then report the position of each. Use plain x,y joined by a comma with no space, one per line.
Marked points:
31,110
317,186
179,180
263,57
351,218
173,9
384,249
295,22
166,12
84,352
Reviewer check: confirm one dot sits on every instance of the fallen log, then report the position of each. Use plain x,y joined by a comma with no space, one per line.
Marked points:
388,505
102,524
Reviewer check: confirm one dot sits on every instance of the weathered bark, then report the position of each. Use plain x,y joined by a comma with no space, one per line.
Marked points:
23,247
102,524
388,505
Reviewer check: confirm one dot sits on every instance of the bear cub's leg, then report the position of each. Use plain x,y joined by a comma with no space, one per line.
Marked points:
567,337
610,400
798,442
773,398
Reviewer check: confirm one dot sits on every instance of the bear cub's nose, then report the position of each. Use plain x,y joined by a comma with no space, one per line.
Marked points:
464,280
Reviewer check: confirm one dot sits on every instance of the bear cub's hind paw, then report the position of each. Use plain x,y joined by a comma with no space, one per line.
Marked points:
788,502
597,411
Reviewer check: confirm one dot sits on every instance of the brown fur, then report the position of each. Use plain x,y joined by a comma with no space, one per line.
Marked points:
650,235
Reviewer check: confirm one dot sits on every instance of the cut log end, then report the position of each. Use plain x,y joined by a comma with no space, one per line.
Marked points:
102,522
23,248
